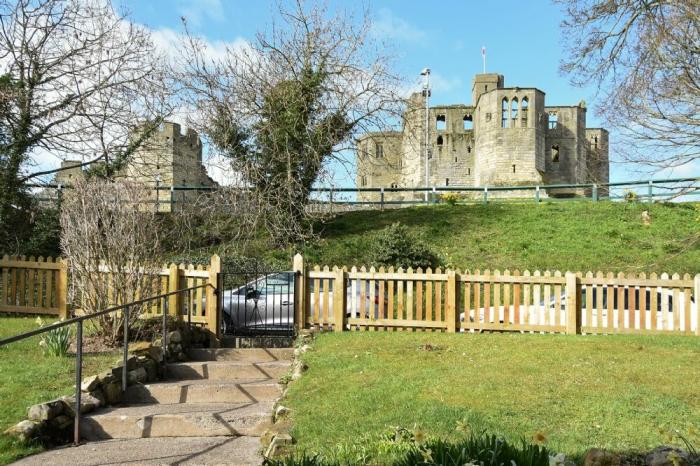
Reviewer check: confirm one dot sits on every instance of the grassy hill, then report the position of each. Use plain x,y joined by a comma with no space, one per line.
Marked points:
573,235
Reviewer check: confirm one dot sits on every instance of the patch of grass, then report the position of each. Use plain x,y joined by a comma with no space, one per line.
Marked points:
609,392
28,377
564,236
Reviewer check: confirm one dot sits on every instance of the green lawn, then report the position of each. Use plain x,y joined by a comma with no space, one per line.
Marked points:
610,392
573,235
28,378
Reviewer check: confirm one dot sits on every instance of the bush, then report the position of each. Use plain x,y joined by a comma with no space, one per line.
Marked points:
397,246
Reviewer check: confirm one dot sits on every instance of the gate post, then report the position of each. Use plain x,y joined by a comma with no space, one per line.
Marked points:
339,300
573,304
61,290
212,293
300,294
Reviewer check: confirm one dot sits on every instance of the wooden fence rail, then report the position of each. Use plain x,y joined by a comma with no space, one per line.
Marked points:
475,301
40,286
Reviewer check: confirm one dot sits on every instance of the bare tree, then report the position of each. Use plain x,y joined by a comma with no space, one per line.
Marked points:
112,245
644,58
283,108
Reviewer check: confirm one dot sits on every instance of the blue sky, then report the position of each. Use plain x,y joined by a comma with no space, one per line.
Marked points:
522,39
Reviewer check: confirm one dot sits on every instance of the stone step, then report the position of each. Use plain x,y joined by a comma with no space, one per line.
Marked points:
198,420
204,391
228,370
233,451
241,354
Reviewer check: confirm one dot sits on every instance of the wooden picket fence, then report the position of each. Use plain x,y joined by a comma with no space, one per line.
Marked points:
33,285
476,301
41,287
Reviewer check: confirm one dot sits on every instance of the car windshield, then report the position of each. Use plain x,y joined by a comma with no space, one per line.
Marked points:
276,283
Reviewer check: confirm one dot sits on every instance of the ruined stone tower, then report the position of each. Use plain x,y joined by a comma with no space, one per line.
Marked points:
508,136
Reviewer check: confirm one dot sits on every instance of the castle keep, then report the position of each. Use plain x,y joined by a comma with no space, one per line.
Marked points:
508,136
168,158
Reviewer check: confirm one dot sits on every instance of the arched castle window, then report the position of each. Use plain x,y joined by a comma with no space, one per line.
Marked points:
524,104
394,185
595,142
379,150
553,120
439,141
513,112
555,153
440,123
504,113
468,124
469,149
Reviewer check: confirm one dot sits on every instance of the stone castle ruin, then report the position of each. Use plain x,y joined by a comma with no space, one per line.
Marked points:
507,136
168,158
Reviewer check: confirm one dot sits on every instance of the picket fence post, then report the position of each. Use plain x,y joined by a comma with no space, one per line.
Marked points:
62,290
451,301
300,294
174,300
339,300
573,304
213,321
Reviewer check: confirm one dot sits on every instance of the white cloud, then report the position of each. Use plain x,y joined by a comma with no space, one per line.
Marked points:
197,12
438,83
389,26
170,42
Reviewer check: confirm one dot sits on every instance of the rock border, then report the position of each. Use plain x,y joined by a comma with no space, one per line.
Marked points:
277,441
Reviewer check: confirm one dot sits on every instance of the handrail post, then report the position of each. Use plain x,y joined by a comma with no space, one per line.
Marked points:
339,300
651,191
299,292
164,343
381,199
486,195
125,352
537,194
78,380
594,193
573,304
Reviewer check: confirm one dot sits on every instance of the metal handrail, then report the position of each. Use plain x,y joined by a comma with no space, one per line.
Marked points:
79,343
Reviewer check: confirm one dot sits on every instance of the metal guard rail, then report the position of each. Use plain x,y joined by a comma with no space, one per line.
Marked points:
79,343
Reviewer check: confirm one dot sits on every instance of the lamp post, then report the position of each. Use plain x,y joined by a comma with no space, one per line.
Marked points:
426,94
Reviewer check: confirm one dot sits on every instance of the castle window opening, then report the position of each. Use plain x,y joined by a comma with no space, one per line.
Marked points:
555,153
513,168
469,171
595,142
513,111
440,123
468,123
394,185
439,140
455,159
524,104
553,120
486,88
488,117
504,113
379,150
469,149
447,181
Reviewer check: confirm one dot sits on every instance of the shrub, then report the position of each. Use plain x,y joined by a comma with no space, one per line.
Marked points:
55,342
397,246
404,447
450,198
630,196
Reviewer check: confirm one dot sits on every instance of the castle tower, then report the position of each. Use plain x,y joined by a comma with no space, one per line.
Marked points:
510,135
71,171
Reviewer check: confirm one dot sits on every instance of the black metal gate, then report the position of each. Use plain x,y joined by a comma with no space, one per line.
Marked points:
256,302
